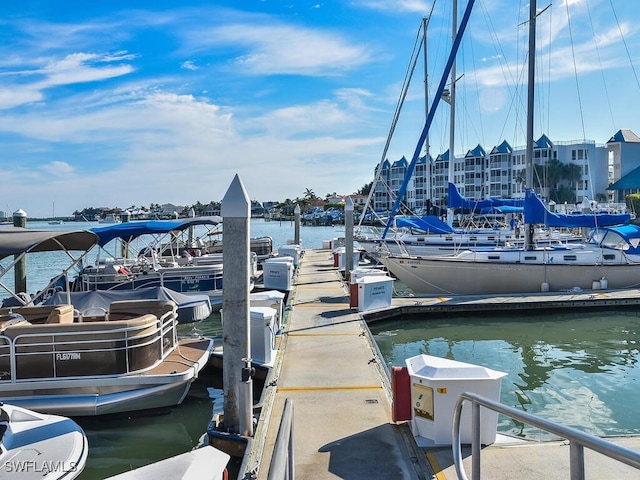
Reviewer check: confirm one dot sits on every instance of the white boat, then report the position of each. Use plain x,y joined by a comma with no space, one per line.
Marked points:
58,359
109,219
35,445
429,236
610,259
161,258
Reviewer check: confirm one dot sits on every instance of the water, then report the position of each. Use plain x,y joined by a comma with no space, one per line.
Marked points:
118,444
580,370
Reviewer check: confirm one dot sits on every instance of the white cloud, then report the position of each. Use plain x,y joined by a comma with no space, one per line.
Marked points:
418,6
283,49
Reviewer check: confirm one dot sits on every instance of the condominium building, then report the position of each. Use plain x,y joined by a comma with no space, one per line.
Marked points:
500,173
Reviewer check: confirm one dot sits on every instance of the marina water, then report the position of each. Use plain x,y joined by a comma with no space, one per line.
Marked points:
579,369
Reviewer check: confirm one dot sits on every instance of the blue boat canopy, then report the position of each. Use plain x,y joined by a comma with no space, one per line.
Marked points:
130,230
535,213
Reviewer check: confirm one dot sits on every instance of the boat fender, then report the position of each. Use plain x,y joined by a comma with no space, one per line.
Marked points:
604,283
544,287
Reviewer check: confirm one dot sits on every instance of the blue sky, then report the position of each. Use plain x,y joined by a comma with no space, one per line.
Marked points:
106,104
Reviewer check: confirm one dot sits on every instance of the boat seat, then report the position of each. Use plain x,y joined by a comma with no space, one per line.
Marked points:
124,309
61,314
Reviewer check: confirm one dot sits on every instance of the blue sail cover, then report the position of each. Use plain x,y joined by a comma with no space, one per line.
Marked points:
428,223
458,201
535,213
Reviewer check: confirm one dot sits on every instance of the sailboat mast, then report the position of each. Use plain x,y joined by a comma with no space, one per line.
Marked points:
452,105
427,146
528,239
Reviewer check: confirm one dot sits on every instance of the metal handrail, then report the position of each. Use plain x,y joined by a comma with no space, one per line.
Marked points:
578,440
282,466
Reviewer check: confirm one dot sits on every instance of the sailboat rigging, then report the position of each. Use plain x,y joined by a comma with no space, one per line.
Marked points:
610,259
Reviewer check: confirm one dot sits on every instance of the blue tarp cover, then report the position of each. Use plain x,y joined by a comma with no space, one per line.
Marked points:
535,213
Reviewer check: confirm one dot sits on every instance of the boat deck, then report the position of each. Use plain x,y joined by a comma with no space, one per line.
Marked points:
181,359
328,366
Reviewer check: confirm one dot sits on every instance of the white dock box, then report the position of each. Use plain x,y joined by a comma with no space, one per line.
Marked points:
294,251
263,337
277,273
436,384
340,258
354,275
273,299
374,291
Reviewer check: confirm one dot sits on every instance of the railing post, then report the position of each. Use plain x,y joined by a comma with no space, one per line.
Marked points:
291,463
576,460
475,442
282,459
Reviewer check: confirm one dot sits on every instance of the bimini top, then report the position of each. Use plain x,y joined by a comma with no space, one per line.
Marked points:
130,230
18,240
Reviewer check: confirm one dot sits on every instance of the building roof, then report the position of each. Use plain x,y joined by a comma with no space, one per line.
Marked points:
443,157
624,136
476,152
504,147
400,163
631,181
544,142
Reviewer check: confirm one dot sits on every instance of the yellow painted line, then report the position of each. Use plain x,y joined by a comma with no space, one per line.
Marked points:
324,334
331,387
318,305
602,294
443,300
433,461
315,286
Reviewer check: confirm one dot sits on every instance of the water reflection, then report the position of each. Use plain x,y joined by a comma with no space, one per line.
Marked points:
578,369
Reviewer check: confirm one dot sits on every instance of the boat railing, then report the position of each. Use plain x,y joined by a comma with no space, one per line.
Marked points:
282,466
578,440
51,346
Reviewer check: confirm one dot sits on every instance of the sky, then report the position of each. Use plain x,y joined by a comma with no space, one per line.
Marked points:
119,104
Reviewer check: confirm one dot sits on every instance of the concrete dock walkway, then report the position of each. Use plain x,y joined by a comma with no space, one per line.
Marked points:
342,416
329,367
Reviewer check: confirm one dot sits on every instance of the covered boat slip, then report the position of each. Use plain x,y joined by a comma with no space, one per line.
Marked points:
127,359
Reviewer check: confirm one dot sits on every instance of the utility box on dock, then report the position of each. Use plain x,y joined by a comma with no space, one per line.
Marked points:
273,299
436,384
294,251
340,258
354,275
374,291
277,273
263,336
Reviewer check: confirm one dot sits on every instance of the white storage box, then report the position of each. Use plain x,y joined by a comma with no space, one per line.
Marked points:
293,251
436,384
374,291
263,336
277,273
273,299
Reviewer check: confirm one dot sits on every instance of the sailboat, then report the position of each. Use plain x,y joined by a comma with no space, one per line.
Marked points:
610,259
54,220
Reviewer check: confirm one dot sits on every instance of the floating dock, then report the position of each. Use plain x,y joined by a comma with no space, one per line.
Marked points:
329,367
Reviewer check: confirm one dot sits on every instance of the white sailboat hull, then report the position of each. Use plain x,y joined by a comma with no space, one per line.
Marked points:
464,276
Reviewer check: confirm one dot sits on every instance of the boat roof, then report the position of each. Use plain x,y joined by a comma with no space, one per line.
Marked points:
18,240
131,230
